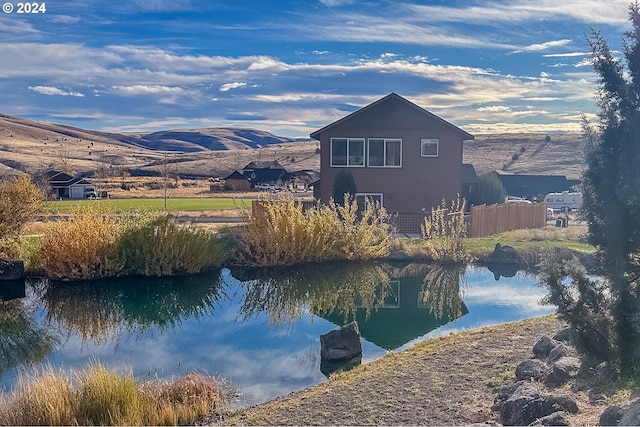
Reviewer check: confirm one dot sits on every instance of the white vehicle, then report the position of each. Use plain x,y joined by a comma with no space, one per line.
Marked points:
268,187
564,200
90,193
515,199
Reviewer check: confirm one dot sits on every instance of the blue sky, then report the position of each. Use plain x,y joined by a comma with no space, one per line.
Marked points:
291,67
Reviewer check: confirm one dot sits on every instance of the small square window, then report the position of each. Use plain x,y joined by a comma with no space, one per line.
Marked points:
429,147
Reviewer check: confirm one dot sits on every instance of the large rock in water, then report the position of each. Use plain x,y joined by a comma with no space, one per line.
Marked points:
341,344
11,270
502,255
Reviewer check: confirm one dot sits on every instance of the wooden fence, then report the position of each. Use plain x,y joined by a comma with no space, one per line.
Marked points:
487,220
482,220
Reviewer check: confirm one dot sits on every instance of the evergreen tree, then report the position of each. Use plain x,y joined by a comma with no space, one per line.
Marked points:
343,184
611,182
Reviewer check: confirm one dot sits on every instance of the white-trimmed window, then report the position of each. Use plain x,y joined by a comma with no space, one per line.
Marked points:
429,147
361,199
347,152
384,152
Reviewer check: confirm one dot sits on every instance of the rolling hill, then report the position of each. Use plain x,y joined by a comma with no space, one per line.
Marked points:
32,146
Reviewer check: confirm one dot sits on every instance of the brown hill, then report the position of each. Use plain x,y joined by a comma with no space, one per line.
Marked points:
34,146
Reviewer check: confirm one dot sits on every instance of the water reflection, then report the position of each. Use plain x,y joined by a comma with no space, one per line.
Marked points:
100,311
392,304
22,340
257,328
285,294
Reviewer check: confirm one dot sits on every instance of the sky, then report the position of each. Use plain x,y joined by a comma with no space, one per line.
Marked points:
292,67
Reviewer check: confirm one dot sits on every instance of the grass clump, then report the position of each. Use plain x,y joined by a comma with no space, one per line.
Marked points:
94,244
159,246
84,246
97,396
281,232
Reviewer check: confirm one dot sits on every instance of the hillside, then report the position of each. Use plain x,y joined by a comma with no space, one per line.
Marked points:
34,146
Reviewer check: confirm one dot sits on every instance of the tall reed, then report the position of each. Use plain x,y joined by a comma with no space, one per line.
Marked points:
444,232
281,232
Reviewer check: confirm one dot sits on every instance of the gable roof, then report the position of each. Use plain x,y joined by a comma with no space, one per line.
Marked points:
533,185
266,174
237,175
390,98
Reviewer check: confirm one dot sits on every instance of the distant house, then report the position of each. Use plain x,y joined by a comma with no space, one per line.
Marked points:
237,182
268,175
398,153
65,186
535,187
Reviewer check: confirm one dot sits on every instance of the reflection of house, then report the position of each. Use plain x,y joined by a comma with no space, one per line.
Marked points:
398,153
236,182
403,317
535,186
66,186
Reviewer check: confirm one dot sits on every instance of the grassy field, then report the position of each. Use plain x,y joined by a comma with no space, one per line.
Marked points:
173,204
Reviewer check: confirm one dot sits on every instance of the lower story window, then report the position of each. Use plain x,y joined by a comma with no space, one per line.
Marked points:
362,198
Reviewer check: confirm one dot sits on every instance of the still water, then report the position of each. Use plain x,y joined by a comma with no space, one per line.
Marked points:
257,329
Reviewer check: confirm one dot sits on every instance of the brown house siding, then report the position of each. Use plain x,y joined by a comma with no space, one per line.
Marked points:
421,182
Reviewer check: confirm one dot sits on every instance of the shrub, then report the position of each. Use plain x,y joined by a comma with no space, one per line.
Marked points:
20,202
488,191
444,232
93,244
102,397
281,233
158,246
81,247
343,184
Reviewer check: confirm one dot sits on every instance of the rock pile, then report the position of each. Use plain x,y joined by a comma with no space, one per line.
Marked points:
530,400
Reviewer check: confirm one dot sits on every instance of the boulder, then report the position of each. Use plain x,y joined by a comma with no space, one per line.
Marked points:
543,347
631,414
503,255
558,418
530,369
528,406
563,369
611,416
559,351
341,344
563,335
11,269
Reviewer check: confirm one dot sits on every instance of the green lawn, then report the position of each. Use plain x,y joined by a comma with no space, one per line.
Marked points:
173,204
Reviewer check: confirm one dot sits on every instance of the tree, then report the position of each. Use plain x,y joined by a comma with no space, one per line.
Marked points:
20,202
611,195
343,184
488,191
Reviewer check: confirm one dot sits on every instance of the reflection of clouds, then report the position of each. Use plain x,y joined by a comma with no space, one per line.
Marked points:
524,299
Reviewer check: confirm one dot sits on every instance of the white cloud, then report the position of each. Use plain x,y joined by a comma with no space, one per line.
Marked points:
50,90
543,46
228,86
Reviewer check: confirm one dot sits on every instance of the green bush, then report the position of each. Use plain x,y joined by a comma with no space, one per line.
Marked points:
343,184
160,246
488,191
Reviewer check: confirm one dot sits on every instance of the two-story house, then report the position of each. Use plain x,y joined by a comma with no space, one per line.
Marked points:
398,153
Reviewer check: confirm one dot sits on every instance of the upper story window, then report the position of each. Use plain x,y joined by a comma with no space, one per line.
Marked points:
347,152
429,147
385,152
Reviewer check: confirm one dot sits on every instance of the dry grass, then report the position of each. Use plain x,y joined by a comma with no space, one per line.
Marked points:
281,232
97,396
446,381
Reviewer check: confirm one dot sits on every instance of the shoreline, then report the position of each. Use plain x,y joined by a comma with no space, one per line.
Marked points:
451,380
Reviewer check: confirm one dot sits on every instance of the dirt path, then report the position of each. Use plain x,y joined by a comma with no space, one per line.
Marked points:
446,381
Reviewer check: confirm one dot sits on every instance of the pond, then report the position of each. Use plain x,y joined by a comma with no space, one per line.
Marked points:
256,328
